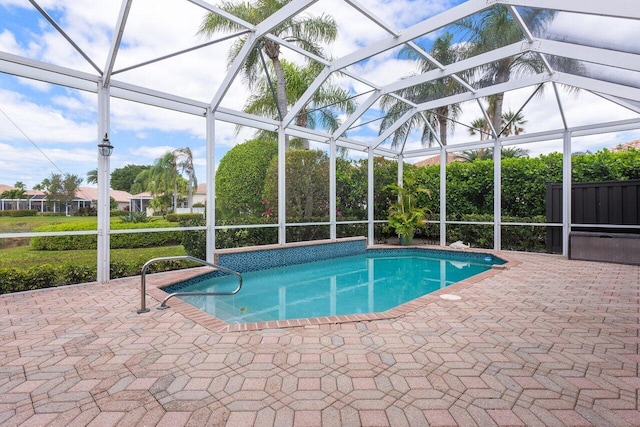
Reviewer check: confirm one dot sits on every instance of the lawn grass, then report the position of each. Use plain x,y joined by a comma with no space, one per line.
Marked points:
24,257
26,224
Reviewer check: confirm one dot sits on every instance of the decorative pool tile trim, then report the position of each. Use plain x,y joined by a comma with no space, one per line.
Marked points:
255,258
455,255
262,259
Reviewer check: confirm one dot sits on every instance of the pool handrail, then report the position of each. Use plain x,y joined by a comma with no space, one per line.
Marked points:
163,305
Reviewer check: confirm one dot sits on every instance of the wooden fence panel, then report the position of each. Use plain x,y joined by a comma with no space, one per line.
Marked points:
610,203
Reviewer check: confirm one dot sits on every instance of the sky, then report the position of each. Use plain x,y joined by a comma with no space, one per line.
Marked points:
45,128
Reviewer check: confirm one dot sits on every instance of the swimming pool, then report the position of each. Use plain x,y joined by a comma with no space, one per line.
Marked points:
371,282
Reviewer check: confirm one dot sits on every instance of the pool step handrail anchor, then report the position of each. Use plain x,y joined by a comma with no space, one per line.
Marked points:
163,305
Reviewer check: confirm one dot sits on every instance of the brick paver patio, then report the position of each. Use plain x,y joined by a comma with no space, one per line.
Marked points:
547,342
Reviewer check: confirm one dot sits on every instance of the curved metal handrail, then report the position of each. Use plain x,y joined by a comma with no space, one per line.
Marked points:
163,305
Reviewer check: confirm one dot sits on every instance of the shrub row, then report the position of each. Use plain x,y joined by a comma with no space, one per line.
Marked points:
183,217
514,238
48,275
118,241
19,212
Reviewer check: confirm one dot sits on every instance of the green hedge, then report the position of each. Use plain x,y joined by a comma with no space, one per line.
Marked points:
194,241
48,275
183,217
515,238
118,241
19,213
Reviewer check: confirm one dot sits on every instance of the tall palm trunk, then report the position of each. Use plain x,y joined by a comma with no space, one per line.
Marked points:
301,120
502,76
190,200
443,113
272,50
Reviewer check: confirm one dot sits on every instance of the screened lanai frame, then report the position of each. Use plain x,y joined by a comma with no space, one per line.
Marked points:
107,87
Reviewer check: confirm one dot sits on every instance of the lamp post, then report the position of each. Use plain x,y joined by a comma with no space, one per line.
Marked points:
105,148
104,152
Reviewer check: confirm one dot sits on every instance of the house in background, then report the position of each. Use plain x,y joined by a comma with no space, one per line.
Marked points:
86,197
141,203
200,195
435,160
627,146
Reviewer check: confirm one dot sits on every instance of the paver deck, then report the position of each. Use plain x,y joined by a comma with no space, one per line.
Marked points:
547,342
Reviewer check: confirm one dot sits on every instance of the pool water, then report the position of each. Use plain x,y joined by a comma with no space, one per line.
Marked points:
366,283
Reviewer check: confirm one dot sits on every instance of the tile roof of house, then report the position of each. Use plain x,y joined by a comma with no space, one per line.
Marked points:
88,193
144,194
91,193
435,160
626,146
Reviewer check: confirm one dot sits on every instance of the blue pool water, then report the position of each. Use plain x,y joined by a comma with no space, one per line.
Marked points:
372,282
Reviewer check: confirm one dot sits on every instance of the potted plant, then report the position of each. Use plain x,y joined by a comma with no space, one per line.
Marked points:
404,215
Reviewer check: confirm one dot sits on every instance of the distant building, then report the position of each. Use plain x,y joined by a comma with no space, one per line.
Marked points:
37,200
435,160
625,147
141,203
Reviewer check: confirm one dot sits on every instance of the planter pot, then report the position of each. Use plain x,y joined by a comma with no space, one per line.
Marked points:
405,240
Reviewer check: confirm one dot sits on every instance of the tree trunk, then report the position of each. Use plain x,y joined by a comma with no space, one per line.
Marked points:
301,120
442,124
190,200
502,76
272,50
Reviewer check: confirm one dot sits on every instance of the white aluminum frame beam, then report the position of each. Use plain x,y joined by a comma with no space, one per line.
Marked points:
451,15
596,55
49,73
115,43
391,129
418,30
211,8
362,108
616,9
284,13
599,86
490,90
211,187
65,35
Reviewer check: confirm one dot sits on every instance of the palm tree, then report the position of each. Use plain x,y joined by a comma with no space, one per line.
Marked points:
184,162
19,191
513,152
513,123
479,154
163,181
307,32
481,127
312,115
141,182
442,118
495,28
92,176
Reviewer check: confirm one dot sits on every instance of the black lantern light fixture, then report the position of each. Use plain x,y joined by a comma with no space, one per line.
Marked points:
105,148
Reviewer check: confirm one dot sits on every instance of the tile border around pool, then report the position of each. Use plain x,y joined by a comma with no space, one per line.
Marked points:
155,285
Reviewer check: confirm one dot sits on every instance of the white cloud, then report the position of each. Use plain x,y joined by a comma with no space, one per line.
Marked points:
42,123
